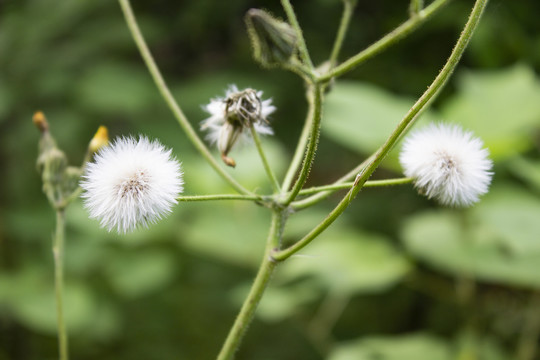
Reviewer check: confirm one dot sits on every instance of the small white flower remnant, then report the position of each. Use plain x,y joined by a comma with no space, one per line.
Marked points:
447,163
232,116
131,183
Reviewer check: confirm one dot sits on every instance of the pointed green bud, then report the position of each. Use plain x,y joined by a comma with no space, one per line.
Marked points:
59,179
274,41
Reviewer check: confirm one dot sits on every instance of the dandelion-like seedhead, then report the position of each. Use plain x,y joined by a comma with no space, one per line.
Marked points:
447,163
233,115
131,183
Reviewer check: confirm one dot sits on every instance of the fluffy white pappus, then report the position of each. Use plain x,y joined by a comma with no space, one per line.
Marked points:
131,183
217,108
447,164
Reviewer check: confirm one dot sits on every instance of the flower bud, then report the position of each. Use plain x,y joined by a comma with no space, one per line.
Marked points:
100,139
40,121
274,41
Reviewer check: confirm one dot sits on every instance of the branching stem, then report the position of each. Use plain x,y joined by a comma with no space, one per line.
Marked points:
169,99
408,120
385,42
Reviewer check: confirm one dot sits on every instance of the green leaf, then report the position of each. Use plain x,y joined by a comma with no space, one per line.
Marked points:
278,302
115,88
362,116
137,273
409,347
527,169
233,232
202,179
30,296
497,242
348,262
500,106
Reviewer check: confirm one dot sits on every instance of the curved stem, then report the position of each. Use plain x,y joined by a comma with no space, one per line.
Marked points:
385,42
316,99
221,197
348,185
348,7
262,279
408,120
58,253
304,54
267,168
169,99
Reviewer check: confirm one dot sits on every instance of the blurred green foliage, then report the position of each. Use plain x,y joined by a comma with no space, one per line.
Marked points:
395,278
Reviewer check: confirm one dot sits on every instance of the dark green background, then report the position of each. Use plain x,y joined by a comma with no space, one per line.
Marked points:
396,278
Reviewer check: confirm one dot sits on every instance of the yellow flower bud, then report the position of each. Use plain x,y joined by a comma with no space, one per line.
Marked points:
100,139
40,121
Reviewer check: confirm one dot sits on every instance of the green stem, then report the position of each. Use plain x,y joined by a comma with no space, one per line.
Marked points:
58,253
304,54
385,42
169,99
409,118
260,283
299,152
314,199
348,185
415,7
267,168
348,7
222,197
316,99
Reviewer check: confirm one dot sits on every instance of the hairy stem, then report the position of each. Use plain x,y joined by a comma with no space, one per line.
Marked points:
299,152
267,168
314,199
169,99
304,54
58,253
385,42
222,197
348,185
316,100
408,120
262,279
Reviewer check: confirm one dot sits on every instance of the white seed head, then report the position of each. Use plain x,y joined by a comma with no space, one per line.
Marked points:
447,164
131,183
232,115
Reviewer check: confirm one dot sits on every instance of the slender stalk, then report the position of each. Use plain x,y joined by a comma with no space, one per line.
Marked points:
267,168
316,99
415,7
385,42
348,185
348,7
314,199
304,54
409,118
169,99
264,275
222,197
299,152
58,253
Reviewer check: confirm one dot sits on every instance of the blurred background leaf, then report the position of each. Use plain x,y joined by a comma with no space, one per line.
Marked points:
382,282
